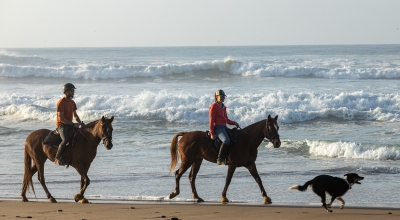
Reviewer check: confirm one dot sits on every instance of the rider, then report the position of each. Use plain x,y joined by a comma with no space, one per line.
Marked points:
218,121
66,110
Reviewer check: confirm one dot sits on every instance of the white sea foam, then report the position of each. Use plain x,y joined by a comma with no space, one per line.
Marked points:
21,66
352,150
245,108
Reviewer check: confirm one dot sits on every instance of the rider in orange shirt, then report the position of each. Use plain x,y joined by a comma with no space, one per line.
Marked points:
66,111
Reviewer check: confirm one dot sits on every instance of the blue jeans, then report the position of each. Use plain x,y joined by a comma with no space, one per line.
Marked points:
220,131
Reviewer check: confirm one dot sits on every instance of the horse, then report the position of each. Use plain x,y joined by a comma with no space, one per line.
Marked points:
194,146
80,155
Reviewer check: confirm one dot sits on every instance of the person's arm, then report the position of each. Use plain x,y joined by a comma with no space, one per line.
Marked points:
77,118
212,120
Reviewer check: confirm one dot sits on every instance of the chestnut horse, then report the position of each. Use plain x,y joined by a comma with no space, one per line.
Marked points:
80,155
194,146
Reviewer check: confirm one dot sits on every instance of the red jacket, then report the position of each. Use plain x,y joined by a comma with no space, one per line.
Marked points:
218,116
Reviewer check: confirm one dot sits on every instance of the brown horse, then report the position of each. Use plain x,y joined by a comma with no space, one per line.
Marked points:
80,155
194,146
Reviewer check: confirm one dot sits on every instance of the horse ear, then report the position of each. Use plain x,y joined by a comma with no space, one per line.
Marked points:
276,117
269,117
111,119
103,119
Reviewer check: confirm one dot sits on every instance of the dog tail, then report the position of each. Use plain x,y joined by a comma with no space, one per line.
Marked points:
301,188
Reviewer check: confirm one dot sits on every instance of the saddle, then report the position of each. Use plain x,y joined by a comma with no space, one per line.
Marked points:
54,139
216,144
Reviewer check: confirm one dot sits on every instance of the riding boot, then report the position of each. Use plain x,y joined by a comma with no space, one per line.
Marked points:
222,155
59,156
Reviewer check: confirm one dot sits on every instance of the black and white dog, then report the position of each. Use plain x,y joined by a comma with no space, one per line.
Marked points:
334,186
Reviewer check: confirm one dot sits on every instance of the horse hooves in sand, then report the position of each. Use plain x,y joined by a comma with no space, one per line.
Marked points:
267,200
224,200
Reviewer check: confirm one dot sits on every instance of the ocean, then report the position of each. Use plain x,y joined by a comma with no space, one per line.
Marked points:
338,109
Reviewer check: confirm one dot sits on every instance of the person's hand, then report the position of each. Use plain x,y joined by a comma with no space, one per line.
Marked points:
213,137
76,125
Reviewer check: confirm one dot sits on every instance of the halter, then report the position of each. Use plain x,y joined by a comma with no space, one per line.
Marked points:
269,138
106,136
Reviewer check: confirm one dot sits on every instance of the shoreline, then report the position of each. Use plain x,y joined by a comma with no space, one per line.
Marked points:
132,210
313,204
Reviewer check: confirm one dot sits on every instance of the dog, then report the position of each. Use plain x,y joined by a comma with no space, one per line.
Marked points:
334,186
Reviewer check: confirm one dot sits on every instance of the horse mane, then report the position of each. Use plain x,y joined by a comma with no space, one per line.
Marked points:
254,124
92,124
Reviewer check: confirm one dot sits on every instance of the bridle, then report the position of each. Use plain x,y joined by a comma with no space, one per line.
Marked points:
270,138
106,136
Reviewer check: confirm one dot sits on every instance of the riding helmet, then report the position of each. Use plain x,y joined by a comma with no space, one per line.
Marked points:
220,92
68,86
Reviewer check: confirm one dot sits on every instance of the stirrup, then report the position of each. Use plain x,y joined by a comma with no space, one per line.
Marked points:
221,162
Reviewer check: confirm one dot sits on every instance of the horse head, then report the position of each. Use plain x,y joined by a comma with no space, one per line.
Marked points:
271,131
106,130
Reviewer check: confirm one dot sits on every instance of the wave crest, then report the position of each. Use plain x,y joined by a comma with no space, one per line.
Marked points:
12,65
352,150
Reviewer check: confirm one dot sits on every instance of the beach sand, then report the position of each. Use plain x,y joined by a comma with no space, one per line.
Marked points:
71,210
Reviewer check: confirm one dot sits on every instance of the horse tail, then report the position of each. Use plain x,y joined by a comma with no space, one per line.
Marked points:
302,188
27,182
174,150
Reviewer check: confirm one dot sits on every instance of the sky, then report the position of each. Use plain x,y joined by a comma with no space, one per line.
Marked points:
141,23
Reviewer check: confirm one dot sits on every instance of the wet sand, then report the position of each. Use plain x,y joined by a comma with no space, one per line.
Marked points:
71,210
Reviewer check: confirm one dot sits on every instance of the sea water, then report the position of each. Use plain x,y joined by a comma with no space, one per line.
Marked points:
337,106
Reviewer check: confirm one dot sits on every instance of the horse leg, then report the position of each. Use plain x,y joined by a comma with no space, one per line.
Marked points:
82,182
253,171
192,178
85,181
32,172
178,174
231,170
40,169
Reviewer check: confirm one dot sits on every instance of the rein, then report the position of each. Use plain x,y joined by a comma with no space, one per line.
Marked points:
80,131
266,139
103,133
241,129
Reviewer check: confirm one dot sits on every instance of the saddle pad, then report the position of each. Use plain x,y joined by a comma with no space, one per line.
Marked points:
52,139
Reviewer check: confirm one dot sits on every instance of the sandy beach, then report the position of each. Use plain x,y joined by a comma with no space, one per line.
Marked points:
70,210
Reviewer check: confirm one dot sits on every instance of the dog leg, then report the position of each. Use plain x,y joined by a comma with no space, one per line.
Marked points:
332,199
340,199
323,198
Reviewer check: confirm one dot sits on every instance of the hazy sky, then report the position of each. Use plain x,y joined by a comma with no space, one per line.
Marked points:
118,23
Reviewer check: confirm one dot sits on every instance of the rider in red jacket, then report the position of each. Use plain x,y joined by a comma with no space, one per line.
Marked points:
218,121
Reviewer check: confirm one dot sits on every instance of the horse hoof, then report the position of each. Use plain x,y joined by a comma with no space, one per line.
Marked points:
173,194
78,197
224,200
53,200
267,200
84,200
24,199
199,200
